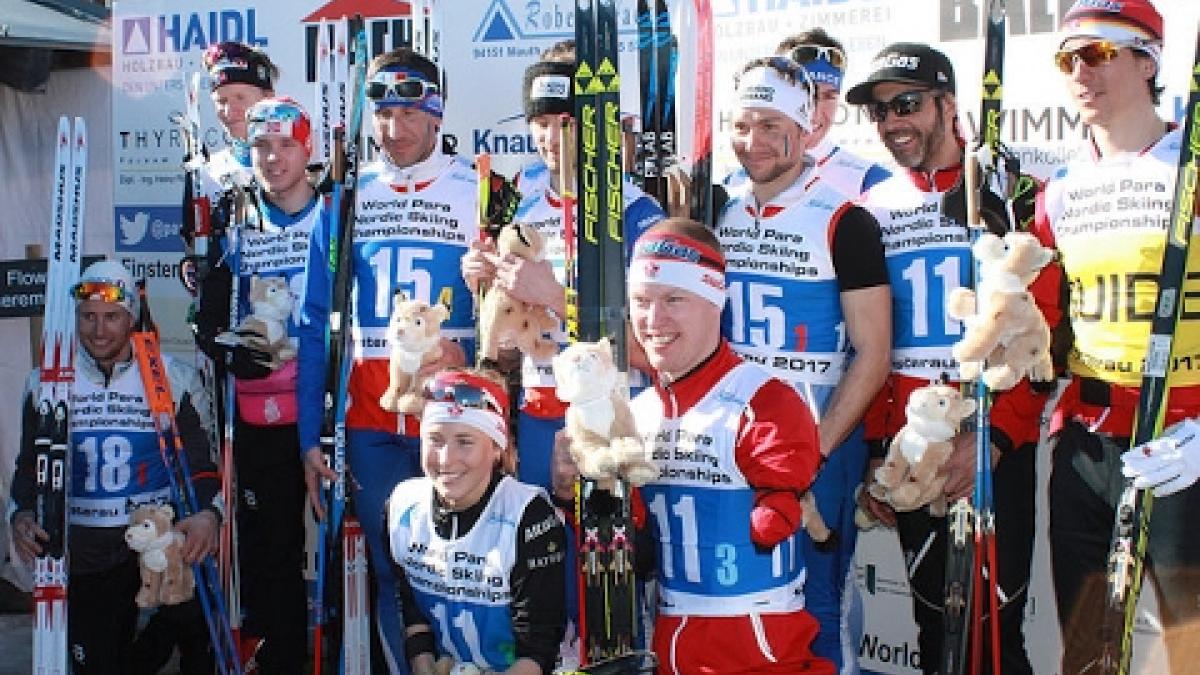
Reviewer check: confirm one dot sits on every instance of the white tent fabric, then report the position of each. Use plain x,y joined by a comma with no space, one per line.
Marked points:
29,24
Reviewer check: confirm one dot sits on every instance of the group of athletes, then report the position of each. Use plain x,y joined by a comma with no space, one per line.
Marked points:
766,375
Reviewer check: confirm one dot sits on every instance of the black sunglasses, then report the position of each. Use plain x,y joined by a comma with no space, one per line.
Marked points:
901,105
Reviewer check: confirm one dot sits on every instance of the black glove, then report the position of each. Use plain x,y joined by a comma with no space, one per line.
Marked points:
993,208
247,363
212,313
503,201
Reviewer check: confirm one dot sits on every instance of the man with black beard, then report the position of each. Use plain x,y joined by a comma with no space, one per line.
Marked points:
910,97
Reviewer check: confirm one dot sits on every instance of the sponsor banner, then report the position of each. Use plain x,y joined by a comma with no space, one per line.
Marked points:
23,286
145,229
1040,124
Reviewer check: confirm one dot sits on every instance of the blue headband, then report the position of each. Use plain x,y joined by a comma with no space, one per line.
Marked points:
823,72
385,89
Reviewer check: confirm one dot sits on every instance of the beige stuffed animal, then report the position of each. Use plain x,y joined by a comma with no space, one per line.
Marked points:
265,328
414,333
1005,330
604,439
506,322
165,578
909,478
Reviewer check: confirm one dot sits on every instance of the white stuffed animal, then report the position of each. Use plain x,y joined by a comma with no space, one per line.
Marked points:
604,439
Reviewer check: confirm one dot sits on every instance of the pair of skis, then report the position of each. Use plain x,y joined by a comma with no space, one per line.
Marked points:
658,59
157,388
1131,528
971,562
597,308
53,402
202,256
344,165
593,225
658,63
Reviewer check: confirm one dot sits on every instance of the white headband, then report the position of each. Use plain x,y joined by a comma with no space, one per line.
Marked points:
490,423
703,281
764,87
550,86
1114,31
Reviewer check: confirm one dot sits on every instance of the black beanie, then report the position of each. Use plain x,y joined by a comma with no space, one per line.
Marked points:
548,89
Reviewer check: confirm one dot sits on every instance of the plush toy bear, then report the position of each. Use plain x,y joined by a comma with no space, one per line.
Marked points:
414,333
165,578
507,322
1005,331
908,478
265,328
604,439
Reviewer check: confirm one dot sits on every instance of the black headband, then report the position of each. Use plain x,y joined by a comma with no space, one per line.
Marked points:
548,89
230,62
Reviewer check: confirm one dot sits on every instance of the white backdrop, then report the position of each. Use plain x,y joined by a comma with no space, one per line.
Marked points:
134,186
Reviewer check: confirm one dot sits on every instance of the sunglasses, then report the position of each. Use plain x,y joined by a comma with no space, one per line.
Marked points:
808,53
104,291
901,105
1093,54
465,395
402,91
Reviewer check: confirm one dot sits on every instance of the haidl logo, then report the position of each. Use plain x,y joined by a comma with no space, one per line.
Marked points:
144,229
175,33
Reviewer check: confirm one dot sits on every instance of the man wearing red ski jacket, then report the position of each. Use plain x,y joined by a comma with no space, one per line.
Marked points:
734,446
910,96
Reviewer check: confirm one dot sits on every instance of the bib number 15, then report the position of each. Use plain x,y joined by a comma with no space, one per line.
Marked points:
756,320
400,267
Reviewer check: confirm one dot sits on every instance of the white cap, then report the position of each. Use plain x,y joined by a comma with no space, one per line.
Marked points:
112,273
